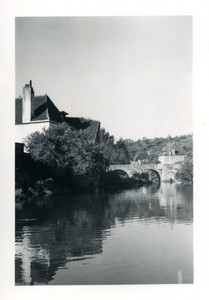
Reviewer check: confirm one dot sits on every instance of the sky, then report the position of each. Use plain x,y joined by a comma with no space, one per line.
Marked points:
133,74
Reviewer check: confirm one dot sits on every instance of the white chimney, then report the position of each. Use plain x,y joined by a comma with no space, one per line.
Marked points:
28,95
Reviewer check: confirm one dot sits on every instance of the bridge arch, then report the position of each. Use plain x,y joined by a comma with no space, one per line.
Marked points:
136,168
156,177
134,174
121,173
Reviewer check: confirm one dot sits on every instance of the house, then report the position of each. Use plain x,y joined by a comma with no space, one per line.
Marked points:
33,113
144,157
172,153
141,157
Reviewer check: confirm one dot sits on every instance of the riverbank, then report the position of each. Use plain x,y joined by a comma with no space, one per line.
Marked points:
49,186
35,179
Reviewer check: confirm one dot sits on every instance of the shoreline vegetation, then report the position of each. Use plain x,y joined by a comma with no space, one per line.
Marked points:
62,160
48,187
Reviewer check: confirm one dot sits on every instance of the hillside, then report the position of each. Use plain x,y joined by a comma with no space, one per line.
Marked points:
124,151
153,147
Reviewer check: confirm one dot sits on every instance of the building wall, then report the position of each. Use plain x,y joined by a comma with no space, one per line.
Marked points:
23,130
171,159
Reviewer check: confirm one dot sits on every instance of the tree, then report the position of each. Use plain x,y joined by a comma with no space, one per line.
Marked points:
113,152
185,173
122,156
68,153
107,143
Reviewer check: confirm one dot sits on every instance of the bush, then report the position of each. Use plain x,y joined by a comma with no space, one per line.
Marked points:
185,173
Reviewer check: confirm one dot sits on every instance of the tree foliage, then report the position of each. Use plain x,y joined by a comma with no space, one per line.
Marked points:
185,173
68,153
114,152
124,151
72,155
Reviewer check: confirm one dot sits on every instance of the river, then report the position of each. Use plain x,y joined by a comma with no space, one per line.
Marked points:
135,236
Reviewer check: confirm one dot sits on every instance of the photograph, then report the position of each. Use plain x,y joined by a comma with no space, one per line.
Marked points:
103,150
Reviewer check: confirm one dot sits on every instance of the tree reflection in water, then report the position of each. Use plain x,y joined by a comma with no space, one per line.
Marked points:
53,231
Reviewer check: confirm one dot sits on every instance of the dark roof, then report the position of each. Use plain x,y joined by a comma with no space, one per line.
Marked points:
93,130
78,123
42,108
153,159
141,155
64,113
173,147
88,126
53,111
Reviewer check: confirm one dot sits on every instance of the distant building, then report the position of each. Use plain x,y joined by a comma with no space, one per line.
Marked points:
145,157
33,113
171,154
141,157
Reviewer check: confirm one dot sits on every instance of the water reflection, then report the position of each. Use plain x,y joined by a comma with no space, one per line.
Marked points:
53,232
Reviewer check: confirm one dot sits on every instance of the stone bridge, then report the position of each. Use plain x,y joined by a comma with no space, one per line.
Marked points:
165,172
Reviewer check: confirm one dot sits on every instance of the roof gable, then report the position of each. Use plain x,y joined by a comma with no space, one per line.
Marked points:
53,111
174,148
42,108
91,127
141,155
39,108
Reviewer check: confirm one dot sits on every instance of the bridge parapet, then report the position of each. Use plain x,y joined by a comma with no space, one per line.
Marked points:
165,172
147,166
136,167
